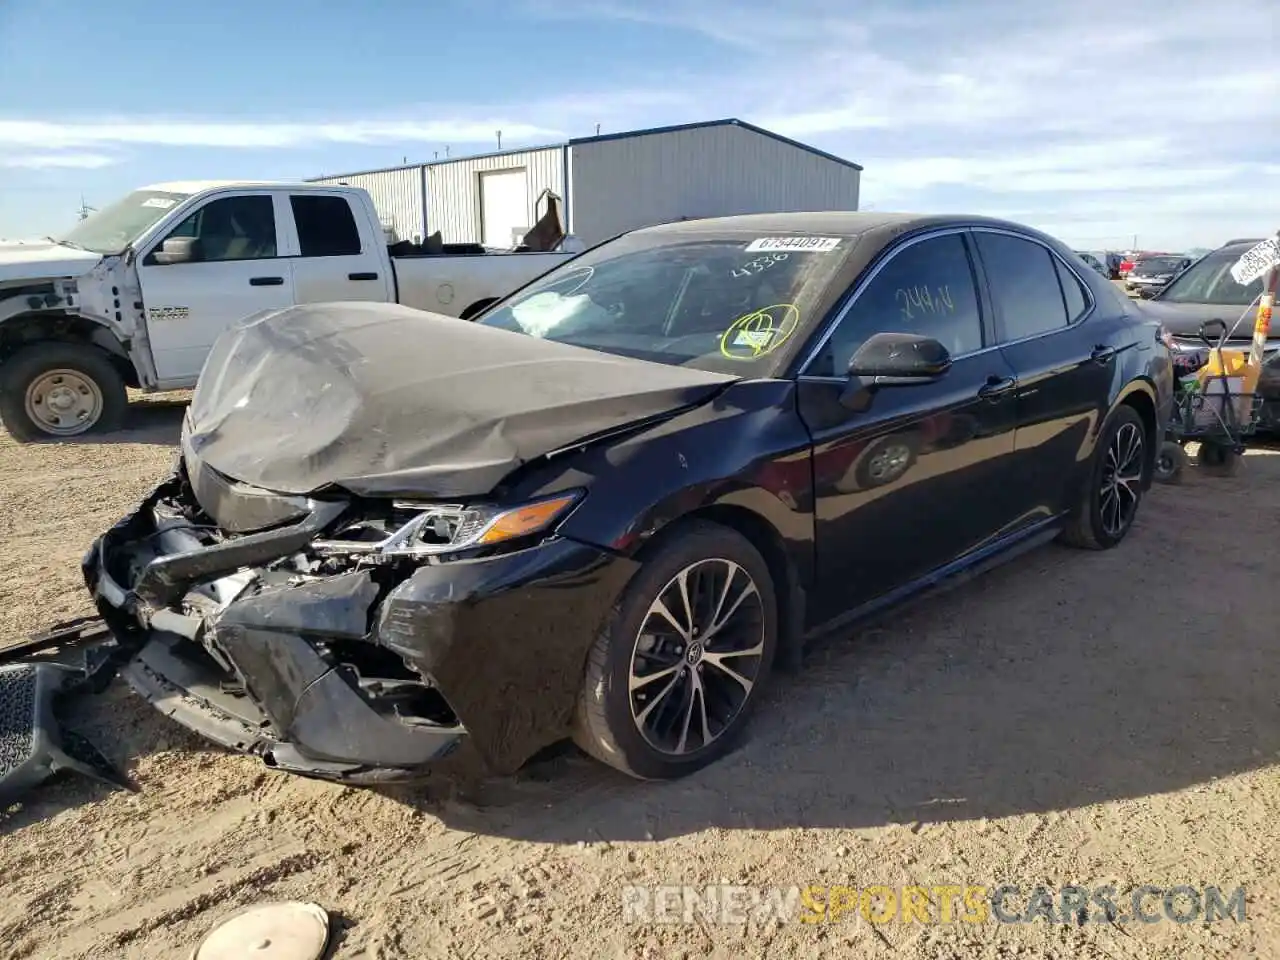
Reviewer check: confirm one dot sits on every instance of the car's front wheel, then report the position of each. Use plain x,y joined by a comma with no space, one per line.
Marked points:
1118,475
676,671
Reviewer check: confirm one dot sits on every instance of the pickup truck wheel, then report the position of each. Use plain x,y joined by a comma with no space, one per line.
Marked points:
58,390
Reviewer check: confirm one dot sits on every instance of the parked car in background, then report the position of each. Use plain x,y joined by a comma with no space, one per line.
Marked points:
605,507
135,295
1150,274
1207,291
1092,261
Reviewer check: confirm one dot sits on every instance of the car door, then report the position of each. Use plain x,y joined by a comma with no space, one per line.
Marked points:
336,259
906,478
234,271
1064,362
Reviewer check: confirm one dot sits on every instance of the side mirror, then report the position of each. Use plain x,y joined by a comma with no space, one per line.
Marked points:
900,358
178,250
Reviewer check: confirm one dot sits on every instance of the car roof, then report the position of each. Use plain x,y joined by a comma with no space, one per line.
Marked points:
841,223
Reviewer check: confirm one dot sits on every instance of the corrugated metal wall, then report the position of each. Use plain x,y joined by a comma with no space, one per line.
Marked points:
453,188
397,196
631,182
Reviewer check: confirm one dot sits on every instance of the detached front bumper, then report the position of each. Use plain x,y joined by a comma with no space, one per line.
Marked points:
368,675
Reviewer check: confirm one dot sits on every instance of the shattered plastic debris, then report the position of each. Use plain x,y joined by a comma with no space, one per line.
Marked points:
32,746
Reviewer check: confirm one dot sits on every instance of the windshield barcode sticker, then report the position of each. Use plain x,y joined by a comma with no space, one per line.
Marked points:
796,244
1256,262
160,203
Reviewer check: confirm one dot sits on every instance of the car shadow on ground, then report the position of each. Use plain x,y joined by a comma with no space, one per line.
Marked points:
157,422
1063,680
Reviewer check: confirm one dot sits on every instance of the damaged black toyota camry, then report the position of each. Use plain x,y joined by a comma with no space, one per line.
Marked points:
606,509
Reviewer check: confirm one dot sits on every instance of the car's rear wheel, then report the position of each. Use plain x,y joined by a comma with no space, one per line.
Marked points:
674,675
1110,500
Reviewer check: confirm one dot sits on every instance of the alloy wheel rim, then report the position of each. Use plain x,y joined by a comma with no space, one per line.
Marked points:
1121,480
63,402
696,657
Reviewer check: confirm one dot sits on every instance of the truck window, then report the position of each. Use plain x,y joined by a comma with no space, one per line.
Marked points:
326,226
233,228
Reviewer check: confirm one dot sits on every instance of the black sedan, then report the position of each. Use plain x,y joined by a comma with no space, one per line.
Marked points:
606,508
1150,275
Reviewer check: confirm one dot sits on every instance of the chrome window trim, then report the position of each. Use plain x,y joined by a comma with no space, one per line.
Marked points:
1092,303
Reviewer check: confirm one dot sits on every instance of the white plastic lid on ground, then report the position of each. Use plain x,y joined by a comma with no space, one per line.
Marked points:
271,931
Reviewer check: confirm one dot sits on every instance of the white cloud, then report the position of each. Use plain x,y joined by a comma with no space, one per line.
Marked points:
52,135
71,161
1057,108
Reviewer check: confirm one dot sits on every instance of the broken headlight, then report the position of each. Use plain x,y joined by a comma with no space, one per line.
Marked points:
440,529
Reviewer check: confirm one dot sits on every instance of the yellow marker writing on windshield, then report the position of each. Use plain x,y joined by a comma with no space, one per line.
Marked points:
760,332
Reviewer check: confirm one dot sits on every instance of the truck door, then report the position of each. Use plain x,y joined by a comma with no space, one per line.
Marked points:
229,267
338,260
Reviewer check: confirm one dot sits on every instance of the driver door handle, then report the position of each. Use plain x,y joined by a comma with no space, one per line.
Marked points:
1102,353
266,281
996,387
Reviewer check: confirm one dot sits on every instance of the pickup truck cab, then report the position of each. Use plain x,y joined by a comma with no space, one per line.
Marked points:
135,295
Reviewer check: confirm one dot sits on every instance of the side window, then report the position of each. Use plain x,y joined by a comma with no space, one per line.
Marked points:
926,289
1024,285
233,228
1073,292
326,226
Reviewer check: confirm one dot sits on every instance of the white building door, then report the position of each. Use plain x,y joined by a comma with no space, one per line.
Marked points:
504,206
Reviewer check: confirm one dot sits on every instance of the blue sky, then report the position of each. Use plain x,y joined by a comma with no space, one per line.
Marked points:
1093,120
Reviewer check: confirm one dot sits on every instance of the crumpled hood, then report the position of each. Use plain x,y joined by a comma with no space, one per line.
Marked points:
41,260
382,399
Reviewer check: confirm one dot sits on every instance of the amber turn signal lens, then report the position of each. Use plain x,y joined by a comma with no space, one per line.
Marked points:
525,520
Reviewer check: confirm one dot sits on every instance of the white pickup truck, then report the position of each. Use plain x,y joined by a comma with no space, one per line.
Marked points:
135,295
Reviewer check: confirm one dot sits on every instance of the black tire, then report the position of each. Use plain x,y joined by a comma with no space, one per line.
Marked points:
1171,462
606,725
1086,528
1217,459
30,364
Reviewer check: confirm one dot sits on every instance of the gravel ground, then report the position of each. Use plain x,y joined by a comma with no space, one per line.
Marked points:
1071,718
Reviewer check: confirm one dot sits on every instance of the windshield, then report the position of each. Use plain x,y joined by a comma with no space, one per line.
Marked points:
723,304
1158,265
112,229
1209,281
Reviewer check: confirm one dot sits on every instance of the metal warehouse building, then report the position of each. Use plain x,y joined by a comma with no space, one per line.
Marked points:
611,183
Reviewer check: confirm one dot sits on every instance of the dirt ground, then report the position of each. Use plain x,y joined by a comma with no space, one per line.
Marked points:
1070,718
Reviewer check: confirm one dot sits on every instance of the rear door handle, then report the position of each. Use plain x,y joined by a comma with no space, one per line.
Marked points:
362,276
266,281
996,387
1102,353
